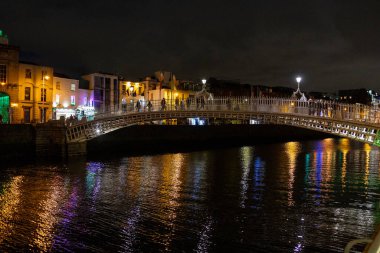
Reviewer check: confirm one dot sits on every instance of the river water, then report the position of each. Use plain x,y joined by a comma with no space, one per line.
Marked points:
312,196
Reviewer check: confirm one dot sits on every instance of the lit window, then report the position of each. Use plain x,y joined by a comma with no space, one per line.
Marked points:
58,85
57,98
43,95
28,73
73,86
3,73
85,100
27,93
72,100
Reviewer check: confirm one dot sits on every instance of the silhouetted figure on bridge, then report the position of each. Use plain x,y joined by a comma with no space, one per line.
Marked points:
188,103
163,104
138,105
228,103
176,103
202,102
149,106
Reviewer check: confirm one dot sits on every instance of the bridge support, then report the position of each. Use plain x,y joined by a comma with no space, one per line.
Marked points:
77,148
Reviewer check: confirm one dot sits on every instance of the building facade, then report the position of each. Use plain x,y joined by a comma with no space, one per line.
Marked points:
106,91
9,64
25,89
34,103
69,100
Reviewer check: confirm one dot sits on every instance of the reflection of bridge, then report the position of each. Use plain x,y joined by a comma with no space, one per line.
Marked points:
358,122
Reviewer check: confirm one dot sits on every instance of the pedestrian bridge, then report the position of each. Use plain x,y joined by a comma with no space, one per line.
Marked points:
358,122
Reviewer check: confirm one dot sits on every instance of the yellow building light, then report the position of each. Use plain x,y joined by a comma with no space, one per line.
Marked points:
176,94
2,83
128,84
14,104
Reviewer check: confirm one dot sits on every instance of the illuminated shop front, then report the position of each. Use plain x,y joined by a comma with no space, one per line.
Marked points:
87,112
4,108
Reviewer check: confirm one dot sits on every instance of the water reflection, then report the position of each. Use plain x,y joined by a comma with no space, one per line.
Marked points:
246,158
292,149
9,204
314,196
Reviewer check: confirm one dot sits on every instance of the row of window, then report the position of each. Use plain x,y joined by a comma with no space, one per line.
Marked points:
28,75
43,96
58,86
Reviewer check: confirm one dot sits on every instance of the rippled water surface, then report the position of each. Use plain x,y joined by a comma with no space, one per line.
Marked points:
311,196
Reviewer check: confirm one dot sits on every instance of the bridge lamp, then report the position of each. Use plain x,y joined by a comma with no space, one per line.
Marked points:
298,79
97,131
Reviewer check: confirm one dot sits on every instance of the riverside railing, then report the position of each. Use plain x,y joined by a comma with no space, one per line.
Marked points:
316,108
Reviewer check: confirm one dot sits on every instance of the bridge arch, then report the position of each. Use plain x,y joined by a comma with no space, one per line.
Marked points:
360,131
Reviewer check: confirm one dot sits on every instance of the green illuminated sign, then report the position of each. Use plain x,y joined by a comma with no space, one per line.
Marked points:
1,33
377,139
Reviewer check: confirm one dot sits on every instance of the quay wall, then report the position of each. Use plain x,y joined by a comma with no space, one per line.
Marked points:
17,141
28,141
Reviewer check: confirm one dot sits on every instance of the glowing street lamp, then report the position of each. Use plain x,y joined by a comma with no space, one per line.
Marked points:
204,81
298,79
45,77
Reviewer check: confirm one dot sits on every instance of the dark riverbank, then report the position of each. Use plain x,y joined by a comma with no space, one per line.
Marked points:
18,142
149,139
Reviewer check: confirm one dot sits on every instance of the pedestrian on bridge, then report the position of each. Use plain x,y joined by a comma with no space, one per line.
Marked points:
149,106
176,103
188,102
138,105
163,104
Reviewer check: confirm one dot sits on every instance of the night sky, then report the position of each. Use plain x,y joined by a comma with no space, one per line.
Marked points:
331,44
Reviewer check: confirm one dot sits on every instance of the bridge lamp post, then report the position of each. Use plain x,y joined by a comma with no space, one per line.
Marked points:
298,79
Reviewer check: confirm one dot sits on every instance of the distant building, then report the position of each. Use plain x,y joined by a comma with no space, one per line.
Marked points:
220,88
106,91
164,84
353,96
321,95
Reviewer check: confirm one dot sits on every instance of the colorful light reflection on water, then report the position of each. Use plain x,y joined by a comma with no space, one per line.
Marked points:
286,197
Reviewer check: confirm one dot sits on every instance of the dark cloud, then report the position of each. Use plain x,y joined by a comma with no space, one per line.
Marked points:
333,44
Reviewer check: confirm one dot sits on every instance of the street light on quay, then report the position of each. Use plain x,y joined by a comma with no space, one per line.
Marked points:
45,77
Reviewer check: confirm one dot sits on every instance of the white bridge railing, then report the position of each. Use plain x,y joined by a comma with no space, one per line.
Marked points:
353,121
318,108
